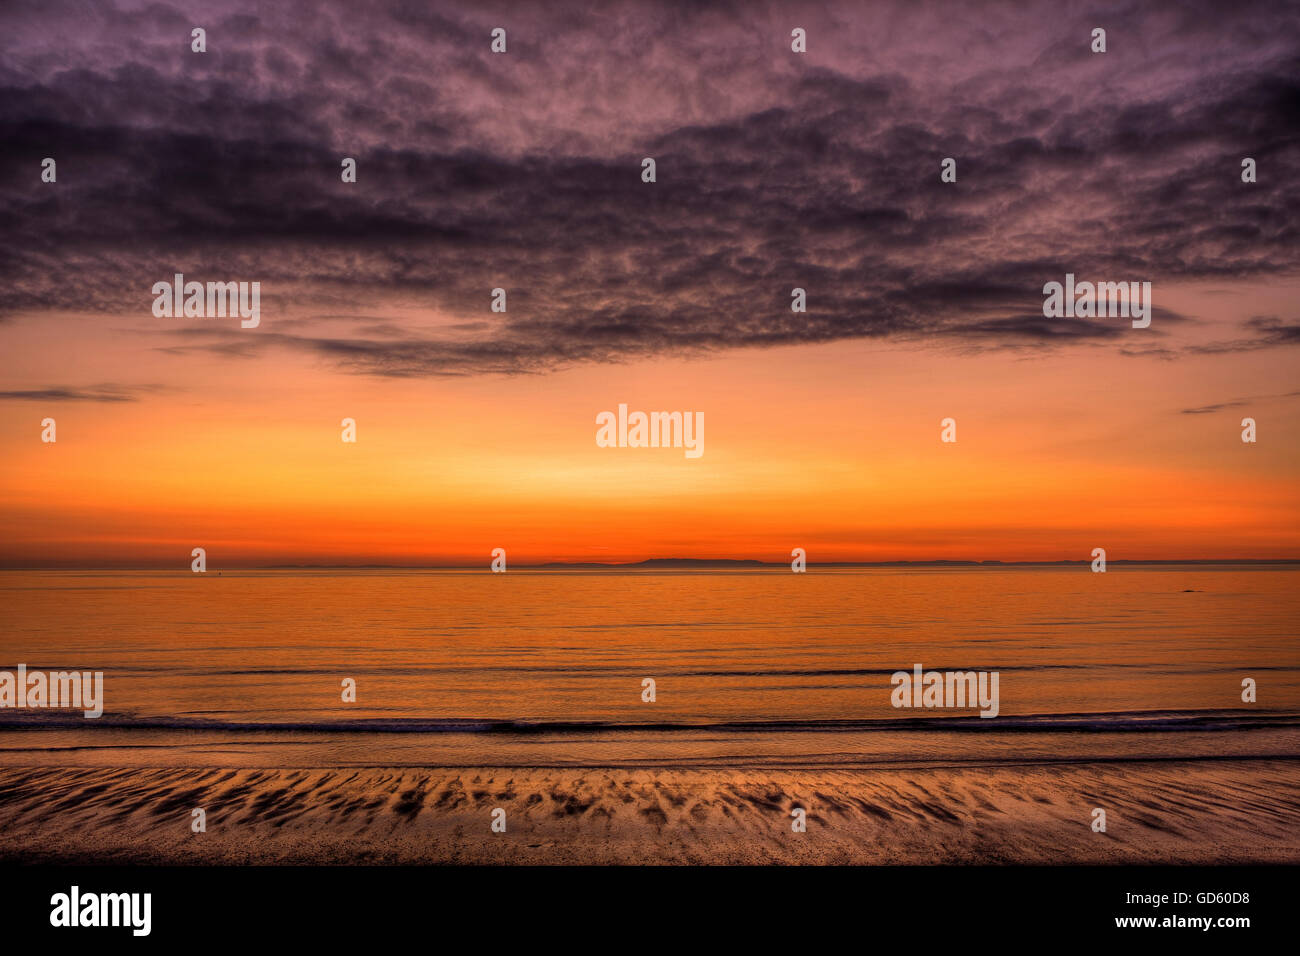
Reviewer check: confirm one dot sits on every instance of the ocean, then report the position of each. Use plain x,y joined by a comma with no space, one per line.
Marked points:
751,668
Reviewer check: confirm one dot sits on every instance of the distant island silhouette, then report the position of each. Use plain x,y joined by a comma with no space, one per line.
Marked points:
702,564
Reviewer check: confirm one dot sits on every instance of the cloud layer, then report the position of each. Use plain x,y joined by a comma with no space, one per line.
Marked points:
522,171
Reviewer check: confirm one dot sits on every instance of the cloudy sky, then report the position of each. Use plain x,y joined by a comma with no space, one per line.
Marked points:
522,170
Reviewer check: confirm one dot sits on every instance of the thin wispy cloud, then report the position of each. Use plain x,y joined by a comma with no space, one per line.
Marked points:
91,393
1237,403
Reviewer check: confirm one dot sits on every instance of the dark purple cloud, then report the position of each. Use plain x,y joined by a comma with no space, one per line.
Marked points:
522,171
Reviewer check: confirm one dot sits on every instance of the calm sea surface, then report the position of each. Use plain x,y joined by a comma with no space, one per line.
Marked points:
751,667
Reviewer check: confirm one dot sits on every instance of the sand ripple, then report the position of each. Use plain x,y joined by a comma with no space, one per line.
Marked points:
1232,811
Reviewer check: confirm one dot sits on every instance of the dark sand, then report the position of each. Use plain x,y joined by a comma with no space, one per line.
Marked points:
1226,811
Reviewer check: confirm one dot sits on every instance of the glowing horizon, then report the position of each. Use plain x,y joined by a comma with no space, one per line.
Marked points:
834,449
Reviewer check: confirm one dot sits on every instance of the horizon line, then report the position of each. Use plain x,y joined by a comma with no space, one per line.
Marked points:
674,563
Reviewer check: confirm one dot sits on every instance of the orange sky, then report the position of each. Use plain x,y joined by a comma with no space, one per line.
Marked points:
831,448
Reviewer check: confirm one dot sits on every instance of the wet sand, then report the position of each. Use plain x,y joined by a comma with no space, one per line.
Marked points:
1205,811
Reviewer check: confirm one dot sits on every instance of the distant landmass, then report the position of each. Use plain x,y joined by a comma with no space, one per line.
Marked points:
686,564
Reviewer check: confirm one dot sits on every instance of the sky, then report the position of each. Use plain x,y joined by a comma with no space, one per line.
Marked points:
523,171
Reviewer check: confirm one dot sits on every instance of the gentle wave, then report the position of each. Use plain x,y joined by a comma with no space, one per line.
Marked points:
1117,722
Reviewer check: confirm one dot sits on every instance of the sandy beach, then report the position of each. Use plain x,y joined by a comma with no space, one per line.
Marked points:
1206,811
